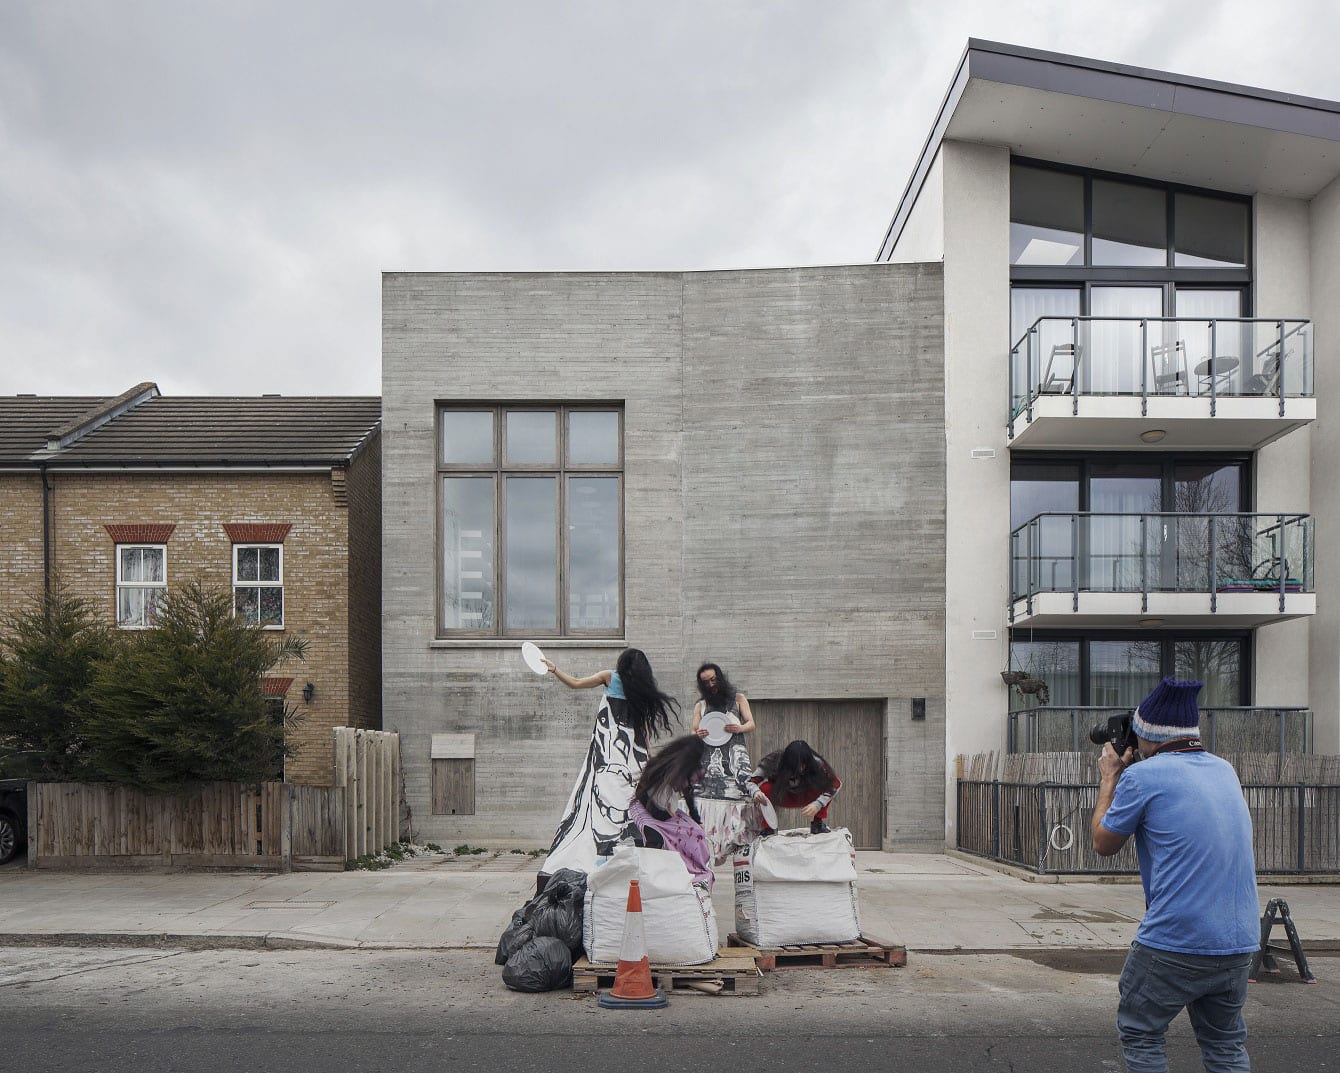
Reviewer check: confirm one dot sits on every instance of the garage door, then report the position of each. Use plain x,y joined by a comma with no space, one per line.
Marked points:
849,734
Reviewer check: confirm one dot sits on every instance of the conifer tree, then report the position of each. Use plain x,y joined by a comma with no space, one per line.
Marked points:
49,653
180,703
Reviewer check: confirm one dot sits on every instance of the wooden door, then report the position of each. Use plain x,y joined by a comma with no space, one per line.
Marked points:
849,734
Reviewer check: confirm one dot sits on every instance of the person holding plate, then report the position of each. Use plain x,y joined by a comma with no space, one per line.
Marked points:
796,777
722,718
632,711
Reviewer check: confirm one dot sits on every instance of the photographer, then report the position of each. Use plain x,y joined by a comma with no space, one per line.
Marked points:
1193,837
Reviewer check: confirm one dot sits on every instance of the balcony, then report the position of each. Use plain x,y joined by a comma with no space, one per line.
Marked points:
1225,384
1146,569
1223,730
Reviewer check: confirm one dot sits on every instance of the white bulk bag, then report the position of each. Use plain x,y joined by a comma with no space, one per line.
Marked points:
794,887
677,916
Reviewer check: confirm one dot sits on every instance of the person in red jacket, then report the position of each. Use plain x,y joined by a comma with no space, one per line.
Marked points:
797,777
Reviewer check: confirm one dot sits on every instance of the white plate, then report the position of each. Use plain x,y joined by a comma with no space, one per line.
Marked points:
768,813
715,725
534,658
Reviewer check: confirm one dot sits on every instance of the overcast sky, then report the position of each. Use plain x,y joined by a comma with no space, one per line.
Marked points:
204,194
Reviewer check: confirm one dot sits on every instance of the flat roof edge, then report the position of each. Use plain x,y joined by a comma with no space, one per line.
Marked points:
1056,72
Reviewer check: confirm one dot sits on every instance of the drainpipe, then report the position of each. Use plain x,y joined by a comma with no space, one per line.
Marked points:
46,530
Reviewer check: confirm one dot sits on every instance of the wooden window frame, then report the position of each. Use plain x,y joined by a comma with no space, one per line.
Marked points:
498,470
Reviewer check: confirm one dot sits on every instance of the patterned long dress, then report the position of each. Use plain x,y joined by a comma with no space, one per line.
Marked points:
597,811
724,797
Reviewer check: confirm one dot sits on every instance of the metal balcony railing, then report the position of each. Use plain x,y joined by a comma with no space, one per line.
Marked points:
1061,728
1161,552
1160,356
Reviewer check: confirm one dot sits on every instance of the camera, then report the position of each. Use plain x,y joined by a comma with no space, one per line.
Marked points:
1117,729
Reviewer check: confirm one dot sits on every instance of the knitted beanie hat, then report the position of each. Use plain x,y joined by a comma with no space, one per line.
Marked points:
1169,712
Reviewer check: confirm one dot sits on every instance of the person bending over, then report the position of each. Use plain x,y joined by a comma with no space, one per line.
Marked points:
657,821
796,777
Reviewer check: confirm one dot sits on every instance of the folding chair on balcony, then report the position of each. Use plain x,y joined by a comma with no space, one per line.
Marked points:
1170,369
1060,379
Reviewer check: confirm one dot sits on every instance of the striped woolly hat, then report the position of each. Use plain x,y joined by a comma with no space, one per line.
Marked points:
1169,712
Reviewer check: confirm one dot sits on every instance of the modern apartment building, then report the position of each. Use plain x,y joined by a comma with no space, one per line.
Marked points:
1073,423
1141,278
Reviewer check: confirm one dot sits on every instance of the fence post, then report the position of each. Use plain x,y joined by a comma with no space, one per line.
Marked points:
995,818
1302,829
1042,828
286,827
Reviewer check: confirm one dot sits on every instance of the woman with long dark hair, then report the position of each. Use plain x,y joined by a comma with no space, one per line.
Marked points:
656,821
723,799
797,777
632,711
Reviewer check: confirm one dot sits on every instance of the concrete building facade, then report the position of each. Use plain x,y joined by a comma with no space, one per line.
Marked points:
1075,423
782,514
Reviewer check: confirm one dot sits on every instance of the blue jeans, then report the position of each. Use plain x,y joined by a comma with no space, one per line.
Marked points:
1156,984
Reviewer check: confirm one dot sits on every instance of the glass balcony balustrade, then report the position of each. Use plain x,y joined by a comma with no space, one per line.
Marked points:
1152,357
1162,553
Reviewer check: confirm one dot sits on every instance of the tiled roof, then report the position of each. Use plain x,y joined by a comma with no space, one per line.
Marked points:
25,421
203,431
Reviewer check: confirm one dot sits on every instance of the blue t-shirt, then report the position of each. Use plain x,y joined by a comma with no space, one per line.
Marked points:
615,688
1193,836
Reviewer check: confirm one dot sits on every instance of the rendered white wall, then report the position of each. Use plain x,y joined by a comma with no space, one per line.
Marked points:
1325,631
923,237
1283,469
977,324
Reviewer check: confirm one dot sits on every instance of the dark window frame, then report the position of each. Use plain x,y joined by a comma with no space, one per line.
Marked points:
1167,639
561,470
1169,460
1148,274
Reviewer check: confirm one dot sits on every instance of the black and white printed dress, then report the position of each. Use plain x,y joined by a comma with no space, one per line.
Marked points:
724,798
597,812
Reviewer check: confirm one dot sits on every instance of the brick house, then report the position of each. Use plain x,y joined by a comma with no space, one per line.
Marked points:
277,498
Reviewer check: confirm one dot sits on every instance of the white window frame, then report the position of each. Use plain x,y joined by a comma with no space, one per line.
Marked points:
157,586
238,584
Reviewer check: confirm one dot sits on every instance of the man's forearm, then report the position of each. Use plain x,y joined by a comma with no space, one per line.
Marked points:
1101,836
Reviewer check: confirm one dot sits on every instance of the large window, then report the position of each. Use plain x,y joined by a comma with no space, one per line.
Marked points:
530,532
1067,218
141,583
1118,669
258,584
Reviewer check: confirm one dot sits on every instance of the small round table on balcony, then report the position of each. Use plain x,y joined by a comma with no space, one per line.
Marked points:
1217,370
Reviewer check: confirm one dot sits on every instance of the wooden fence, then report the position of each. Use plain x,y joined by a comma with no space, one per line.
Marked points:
1033,809
274,827
367,775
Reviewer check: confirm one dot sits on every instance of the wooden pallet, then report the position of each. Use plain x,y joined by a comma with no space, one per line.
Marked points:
737,972
860,953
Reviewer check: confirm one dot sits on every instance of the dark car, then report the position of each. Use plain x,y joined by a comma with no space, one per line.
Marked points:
13,818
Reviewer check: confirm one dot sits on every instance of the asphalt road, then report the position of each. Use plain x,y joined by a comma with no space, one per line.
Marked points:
119,1010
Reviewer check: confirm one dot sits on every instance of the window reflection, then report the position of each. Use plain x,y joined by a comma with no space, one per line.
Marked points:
467,436
532,437
1130,224
530,550
1211,232
1046,217
593,437
467,553
593,553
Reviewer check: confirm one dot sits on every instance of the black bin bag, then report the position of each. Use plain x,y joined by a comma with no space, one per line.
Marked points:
543,964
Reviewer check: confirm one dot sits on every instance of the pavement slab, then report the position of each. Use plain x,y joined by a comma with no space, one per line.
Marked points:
924,901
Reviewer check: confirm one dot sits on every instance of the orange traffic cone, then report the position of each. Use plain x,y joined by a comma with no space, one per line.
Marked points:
633,988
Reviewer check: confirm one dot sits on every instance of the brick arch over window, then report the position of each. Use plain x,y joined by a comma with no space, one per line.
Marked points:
257,532
139,533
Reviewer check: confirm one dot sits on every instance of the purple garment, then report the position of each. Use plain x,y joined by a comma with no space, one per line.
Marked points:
683,836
